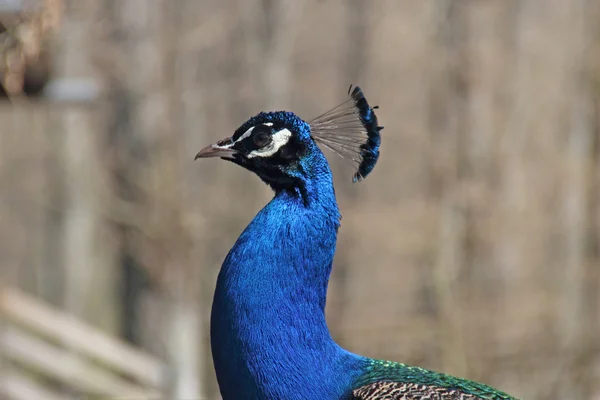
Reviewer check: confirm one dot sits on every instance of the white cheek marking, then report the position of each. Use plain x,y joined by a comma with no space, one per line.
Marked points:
279,139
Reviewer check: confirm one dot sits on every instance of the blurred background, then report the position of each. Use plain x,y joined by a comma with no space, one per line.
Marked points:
473,248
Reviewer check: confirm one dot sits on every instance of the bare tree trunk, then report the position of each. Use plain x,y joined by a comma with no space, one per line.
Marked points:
453,220
282,26
186,347
88,250
576,320
151,165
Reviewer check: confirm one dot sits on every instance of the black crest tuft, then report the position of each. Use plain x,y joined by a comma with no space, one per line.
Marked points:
351,131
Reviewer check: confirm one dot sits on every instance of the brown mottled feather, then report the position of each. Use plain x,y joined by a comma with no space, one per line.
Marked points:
408,391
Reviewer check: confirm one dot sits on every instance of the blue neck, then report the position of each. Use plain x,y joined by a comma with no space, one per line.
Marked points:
268,332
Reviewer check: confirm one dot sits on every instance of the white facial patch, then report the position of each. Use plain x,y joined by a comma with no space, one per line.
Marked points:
279,139
249,132
245,135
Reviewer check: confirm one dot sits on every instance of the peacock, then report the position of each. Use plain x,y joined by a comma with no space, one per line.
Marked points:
269,337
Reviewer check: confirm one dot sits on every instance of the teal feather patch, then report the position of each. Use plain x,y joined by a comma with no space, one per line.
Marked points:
395,381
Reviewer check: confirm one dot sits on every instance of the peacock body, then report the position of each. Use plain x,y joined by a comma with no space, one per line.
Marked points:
269,336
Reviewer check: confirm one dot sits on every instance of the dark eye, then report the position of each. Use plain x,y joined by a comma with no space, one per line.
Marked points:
261,139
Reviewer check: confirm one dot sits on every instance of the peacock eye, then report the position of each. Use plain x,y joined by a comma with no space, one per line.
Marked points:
261,139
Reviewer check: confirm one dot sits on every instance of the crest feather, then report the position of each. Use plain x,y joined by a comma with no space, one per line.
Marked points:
351,131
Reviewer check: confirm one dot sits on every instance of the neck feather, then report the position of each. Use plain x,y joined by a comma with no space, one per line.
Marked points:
268,319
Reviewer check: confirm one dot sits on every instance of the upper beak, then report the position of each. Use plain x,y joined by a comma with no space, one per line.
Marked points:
220,149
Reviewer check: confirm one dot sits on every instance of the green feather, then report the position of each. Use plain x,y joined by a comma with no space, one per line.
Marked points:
387,371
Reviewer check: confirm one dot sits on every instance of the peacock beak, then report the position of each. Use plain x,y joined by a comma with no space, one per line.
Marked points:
223,148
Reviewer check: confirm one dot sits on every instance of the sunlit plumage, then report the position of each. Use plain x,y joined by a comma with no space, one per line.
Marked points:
269,336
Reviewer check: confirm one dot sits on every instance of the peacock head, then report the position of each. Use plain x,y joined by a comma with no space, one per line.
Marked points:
272,145
280,147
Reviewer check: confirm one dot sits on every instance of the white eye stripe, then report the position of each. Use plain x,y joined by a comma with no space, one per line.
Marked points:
279,139
249,131
245,135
